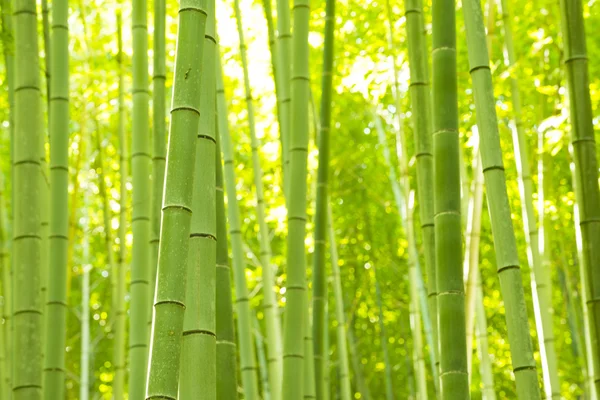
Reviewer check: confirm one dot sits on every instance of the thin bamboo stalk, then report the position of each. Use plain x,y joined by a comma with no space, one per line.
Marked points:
270,305
509,271
586,167
247,353
284,55
5,344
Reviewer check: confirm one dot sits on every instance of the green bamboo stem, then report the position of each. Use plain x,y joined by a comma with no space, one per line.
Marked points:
47,51
226,348
401,190
296,296
389,391
271,308
5,366
586,165
159,150
8,50
27,306
198,381
140,221
326,357
320,295
421,115
473,237
119,303
242,305
262,360
309,354
174,243
540,276
284,56
447,219
485,364
342,342
509,271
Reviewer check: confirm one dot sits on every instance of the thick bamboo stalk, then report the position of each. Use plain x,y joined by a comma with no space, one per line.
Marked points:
586,165
421,115
270,305
27,306
159,150
540,275
508,265
296,296
447,219
242,306
284,55
119,303
198,381
342,342
174,243
140,221
319,299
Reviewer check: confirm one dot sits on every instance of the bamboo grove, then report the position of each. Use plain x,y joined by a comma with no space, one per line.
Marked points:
290,200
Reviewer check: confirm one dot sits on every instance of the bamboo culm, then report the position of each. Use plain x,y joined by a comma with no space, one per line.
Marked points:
508,266
242,305
174,243
270,305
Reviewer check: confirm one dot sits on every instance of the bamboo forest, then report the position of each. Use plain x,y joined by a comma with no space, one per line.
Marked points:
299,199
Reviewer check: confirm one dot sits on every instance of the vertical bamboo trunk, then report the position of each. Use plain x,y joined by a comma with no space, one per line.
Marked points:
5,344
389,391
586,165
47,50
27,306
421,115
401,190
284,54
271,308
159,152
342,342
84,369
296,296
119,304
485,364
8,49
509,270
540,276
326,356
320,328
309,355
226,349
174,244
242,305
140,219
262,360
447,219
198,381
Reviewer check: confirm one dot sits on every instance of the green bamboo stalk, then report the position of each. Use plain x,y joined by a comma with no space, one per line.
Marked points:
309,354
296,296
174,243
284,56
159,151
5,344
271,308
119,304
226,349
485,364
326,357
421,115
320,329
342,342
47,51
199,327
242,305
389,391
509,271
586,164
141,212
27,306
262,360
8,50
447,219
540,275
